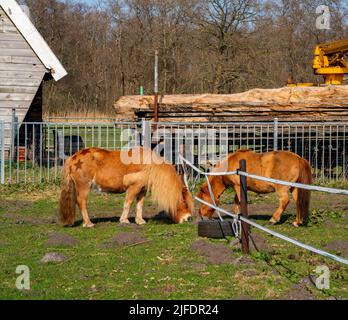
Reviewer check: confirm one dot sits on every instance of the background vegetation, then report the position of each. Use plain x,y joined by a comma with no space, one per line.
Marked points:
218,46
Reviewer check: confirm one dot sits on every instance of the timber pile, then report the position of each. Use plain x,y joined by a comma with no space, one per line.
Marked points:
329,103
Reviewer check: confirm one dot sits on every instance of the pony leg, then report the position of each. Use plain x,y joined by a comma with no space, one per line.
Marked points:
298,221
82,203
140,204
236,205
130,195
283,194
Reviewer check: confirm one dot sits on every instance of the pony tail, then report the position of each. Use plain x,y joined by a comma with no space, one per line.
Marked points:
165,187
67,202
305,177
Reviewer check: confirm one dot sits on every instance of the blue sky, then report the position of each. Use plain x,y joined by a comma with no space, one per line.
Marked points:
88,1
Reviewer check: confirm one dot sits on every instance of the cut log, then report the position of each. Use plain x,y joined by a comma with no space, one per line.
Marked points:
295,104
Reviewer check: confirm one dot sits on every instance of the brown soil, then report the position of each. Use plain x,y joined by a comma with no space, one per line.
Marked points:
338,246
214,253
168,288
250,272
13,206
259,243
53,257
125,239
244,260
60,239
301,291
16,219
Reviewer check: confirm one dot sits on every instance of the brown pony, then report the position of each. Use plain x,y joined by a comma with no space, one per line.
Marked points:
282,165
116,172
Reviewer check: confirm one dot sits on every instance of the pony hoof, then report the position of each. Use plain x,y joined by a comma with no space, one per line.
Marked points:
140,221
88,225
273,221
124,221
296,224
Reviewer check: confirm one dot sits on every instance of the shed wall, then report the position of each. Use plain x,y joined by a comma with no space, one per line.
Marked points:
21,73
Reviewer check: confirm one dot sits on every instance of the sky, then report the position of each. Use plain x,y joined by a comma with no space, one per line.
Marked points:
88,1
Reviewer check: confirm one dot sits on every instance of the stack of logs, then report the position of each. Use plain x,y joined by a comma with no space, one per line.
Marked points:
293,104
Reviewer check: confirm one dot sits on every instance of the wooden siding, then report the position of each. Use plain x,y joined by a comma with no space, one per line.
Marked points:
21,73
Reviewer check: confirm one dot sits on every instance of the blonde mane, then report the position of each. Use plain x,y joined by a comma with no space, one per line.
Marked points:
165,186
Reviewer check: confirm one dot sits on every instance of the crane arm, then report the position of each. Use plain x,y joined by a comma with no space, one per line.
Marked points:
330,61
340,46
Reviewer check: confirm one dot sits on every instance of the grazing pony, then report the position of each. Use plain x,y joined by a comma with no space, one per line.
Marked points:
132,171
281,165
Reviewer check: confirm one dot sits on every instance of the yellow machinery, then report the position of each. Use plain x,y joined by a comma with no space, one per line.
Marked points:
329,61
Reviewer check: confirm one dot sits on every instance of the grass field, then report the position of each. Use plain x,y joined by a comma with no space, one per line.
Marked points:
160,260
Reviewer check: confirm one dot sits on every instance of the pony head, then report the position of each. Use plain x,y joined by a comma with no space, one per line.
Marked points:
185,208
204,210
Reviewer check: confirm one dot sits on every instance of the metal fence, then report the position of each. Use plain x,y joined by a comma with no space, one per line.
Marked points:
36,152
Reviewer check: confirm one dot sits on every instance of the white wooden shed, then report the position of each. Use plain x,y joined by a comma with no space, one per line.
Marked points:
25,59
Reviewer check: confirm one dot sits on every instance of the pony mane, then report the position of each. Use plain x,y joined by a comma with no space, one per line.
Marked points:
165,186
189,201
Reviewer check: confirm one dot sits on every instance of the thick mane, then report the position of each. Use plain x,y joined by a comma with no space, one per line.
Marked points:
163,181
166,187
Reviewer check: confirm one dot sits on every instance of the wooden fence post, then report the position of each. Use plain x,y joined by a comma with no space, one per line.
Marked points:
244,207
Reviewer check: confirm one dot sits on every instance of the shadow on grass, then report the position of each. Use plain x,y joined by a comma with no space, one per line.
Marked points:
160,217
263,217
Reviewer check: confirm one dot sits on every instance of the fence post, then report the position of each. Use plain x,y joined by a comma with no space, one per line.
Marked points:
244,207
2,152
13,133
275,135
146,133
156,89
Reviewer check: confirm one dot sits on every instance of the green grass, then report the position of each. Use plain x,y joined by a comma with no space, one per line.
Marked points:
165,267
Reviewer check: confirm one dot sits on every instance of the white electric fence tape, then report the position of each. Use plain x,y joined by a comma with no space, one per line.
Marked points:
273,233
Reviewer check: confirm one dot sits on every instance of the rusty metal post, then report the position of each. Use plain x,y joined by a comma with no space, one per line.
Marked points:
155,103
244,207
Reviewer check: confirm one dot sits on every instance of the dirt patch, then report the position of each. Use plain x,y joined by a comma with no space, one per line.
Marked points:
259,243
301,290
250,272
244,260
125,239
60,239
16,219
167,289
338,246
53,257
214,253
13,206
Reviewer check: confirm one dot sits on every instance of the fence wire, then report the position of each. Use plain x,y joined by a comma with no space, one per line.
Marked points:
256,225
36,152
